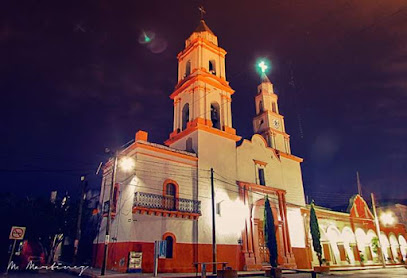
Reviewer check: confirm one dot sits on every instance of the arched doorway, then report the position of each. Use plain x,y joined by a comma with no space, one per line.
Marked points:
334,237
386,247
374,255
170,195
261,251
394,246
363,243
403,247
349,244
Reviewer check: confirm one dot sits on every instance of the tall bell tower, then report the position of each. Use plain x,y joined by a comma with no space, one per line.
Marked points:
268,121
202,96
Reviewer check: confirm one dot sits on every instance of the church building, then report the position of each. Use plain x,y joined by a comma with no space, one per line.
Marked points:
167,194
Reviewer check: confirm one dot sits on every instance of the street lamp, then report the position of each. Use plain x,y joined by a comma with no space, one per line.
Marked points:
126,164
387,218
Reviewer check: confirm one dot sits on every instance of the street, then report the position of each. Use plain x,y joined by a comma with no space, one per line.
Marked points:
388,272
21,274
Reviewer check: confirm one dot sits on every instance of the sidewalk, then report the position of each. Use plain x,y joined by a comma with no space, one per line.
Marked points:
95,272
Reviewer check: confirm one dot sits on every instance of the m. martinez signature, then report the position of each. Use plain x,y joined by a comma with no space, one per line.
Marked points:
55,266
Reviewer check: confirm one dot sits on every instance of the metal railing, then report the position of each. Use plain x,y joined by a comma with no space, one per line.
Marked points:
155,201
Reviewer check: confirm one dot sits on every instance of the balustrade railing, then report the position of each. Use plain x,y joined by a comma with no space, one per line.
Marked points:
156,201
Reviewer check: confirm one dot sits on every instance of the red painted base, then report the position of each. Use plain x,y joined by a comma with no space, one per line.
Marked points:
184,255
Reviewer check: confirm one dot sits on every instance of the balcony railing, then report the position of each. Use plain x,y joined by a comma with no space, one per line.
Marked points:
168,203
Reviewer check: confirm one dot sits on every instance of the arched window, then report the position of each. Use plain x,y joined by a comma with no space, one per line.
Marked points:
188,68
212,68
170,247
261,108
185,116
215,115
170,196
273,107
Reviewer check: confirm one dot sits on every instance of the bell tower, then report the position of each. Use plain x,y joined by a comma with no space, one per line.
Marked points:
268,121
202,96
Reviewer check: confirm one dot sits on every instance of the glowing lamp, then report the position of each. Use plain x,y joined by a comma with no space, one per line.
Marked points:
387,218
127,164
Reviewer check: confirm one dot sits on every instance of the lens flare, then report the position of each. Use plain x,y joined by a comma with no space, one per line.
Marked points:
157,46
146,37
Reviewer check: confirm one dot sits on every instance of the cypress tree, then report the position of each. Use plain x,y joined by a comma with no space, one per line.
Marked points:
316,235
270,233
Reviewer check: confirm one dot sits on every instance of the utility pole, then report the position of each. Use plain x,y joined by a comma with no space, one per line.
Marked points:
109,215
84,184
376,219
213,224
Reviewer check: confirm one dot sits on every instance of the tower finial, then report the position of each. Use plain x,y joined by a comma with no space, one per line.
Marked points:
202,11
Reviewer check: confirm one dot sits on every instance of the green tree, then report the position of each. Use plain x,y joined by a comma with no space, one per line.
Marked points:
270,233
375,245
316,236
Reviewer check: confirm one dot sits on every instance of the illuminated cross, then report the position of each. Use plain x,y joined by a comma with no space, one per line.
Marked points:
202,11
263,66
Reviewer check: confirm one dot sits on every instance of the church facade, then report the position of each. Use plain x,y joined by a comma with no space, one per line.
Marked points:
168,194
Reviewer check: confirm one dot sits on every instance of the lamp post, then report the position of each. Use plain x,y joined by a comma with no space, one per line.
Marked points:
126,164
84,184
376,220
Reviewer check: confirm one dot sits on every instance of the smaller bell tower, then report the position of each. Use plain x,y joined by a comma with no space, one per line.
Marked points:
268,122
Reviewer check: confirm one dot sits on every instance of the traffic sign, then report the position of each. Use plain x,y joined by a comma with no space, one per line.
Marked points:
17,233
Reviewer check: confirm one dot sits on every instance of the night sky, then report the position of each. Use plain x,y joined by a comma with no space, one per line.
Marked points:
76,79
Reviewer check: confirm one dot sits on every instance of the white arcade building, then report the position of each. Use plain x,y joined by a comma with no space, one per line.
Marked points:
167,196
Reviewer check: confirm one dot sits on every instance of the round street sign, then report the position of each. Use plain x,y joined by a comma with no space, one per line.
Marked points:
17,233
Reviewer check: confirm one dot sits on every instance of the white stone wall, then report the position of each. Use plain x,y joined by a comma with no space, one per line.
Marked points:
218,153
151,171
296,227
280,172
292,177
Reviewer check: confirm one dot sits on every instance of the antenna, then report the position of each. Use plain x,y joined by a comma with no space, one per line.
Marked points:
358,183
100,166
